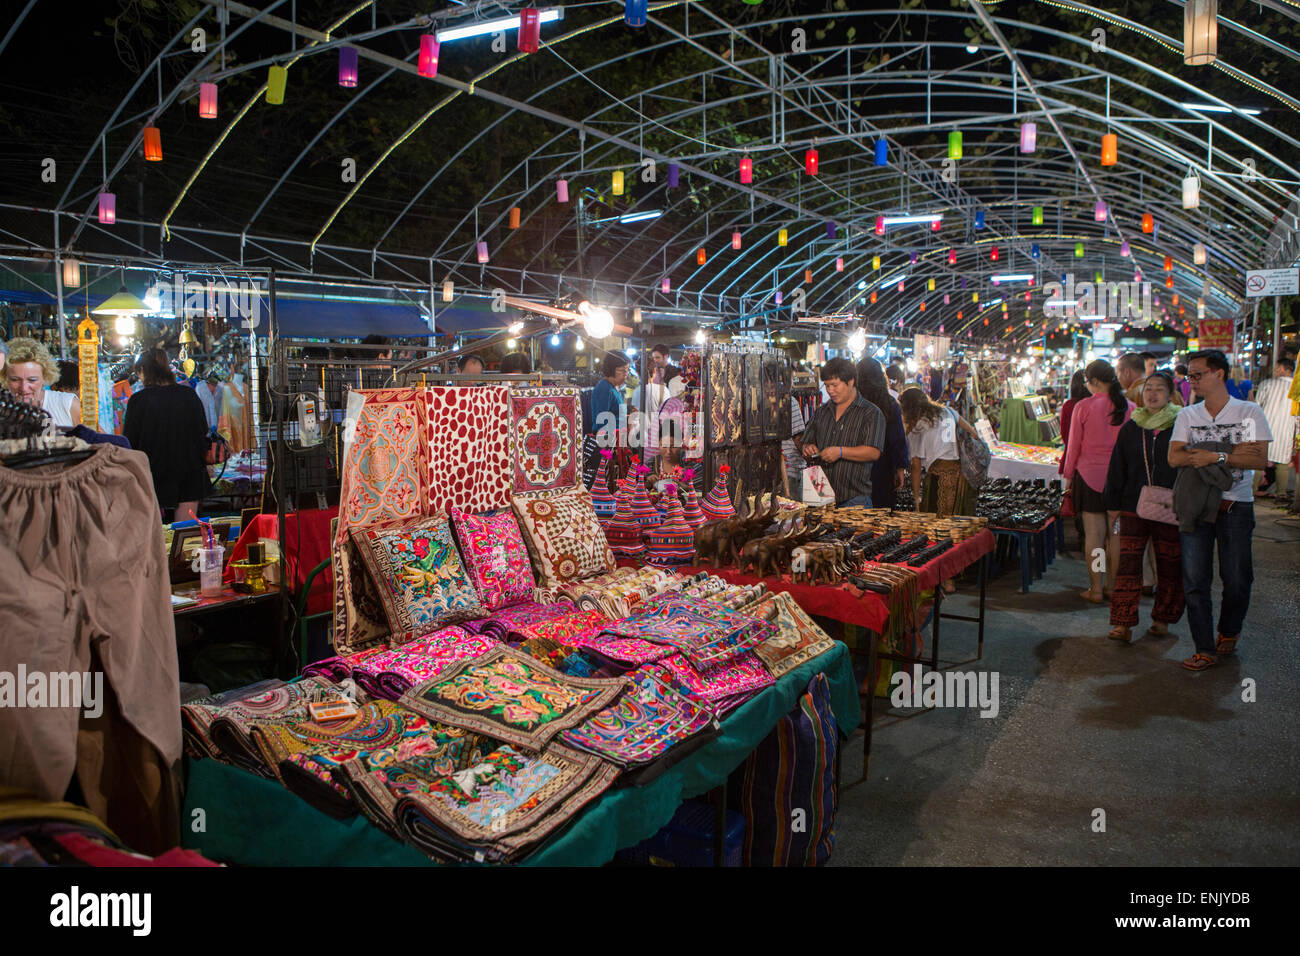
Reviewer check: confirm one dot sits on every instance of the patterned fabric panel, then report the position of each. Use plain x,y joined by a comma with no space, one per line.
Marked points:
392,673
467,435
264,700
419,576
387,461
643,724
564,538
545,430
735,398
740,679
798,638
561,629
509,696
718,397
496,556
708,634
516,616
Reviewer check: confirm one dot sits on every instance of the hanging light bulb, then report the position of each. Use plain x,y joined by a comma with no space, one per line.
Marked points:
561,190
746,170
152,144
448,290
207,101
348,61
1198,254
1109,149
857,341
124,325
735,240
1028,137
71,273
1191,191
810,159
276,79
482,250
429,50
701,336
616,186
578,345
954,144
782,237
1200,32
596,320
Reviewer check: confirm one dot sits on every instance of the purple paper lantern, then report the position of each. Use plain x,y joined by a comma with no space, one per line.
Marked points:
348,66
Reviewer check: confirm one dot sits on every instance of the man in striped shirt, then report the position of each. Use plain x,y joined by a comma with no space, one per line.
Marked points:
845,435
1273,396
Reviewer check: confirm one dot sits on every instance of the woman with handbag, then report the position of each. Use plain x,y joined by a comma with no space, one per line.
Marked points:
1139,494
1094,426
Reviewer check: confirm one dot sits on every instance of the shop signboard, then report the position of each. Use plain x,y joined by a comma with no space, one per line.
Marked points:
1215,334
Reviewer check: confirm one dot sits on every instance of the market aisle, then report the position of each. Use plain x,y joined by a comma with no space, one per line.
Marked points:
1186,771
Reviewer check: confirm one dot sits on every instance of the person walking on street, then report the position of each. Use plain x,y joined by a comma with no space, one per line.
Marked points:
1274,397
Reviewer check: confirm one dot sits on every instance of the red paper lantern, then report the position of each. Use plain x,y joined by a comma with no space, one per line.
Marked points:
810,162
952,257
152,144
993,253
530,30
701,256
429,48
746,170
1148,222
207,101
514,217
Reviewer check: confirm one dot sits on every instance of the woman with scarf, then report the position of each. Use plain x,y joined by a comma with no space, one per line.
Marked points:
1141,458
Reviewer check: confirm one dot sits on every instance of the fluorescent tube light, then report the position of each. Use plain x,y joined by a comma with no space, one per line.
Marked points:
485,27
905,220
1212,108
641,216
1017,277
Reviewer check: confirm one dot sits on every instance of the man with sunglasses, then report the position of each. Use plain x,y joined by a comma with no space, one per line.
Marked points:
1242,426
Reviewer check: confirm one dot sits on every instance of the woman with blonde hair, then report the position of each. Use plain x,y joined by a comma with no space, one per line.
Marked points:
29,373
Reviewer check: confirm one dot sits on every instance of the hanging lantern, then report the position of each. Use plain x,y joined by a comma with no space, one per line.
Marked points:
954,144
875,262
1200,308
830,229
701,256
1191,192
810,162
348,60
779,297
1148,222
1173,299
993,254
1033,252
1109,149
514,217
952,257
979,219
880,225
1096,277
986,319
482,253
882,152
975,297
1028,137
107,208
71,273
929,285
674,171
946,298
207,101
1200,32
839,263
746,170
665,285
561,190
1078,250
912,257
530,30
152,144
962,282
616,183
1182,310
807,277
634,12
1124,249
1169,263
735,240
448,290
900,285
782,237
276,78
1169,282
922,308
1027,296
873,297
1198,254
1037,216
429,49
936,225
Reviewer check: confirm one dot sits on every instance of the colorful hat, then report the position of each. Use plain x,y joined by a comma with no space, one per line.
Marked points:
601,500
691,510
642,510
622,531
673,542
716,503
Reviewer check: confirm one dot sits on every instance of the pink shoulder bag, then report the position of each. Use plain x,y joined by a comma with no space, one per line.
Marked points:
1154,502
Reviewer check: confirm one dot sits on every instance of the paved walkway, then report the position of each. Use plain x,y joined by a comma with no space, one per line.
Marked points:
1186,771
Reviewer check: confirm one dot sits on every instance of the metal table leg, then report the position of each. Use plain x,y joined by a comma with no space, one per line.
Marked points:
720,827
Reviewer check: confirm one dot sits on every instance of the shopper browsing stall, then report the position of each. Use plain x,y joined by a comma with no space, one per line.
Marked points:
1231,435
30,372
166,422
607,399
932,442
1094,427
889,470
845,435
1140,461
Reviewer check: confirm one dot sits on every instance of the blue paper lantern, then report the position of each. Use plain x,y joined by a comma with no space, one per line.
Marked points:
882,152
979,219
1033,252
673,171
634,12
830,230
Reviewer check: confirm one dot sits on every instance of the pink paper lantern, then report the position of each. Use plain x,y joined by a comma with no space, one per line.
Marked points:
562,190
429,49
107,208
207,101
482,253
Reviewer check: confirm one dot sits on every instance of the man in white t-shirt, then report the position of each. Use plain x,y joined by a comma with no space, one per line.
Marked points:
1219,418
1274,397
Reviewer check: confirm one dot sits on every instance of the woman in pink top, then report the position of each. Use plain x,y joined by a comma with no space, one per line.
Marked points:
1094,426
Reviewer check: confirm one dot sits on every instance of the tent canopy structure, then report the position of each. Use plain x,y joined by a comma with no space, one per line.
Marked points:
683,146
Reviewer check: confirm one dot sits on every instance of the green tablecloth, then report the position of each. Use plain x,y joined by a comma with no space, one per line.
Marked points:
255,822
1014,427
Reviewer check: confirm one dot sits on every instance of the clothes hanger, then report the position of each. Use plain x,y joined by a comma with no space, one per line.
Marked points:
20,420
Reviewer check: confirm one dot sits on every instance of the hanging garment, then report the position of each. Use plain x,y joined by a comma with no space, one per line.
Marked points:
234,423
211,402
87,591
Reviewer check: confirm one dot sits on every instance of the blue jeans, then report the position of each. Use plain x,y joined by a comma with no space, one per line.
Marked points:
1232,533
861,501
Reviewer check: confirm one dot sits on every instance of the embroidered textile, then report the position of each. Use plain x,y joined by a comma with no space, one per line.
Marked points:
798,638
516,616
545,429
359,619
336,669
510,697
468,448
740,679
217,727
709,635
419,576
563,537
386,462
392,673
496,557
643,724
562,629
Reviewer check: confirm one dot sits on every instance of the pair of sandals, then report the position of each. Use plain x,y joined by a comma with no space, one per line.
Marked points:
1124,634
1223,646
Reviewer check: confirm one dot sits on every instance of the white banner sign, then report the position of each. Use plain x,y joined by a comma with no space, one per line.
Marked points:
1261,282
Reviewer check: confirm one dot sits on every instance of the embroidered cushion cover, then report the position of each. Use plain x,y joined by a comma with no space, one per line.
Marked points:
496,557
418,574
564,538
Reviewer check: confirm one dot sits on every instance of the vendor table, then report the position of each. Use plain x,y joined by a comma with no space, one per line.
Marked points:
307,544
255,822
1019,470
1036,547
228,598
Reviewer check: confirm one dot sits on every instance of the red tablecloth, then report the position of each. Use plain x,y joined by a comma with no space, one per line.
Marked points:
870,610
307,545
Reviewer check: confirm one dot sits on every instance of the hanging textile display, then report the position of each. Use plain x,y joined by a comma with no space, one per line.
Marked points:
545,428
467,436
88,363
